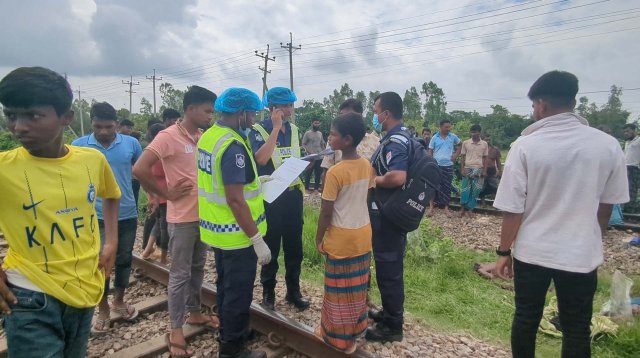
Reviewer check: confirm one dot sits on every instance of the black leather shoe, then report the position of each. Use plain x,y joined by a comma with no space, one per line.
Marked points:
382,333
376,315
298,301
269,298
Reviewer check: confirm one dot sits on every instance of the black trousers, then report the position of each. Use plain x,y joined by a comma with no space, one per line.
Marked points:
316,171
284,226
236,271
157,225
575,304
389,244
135,184
633,176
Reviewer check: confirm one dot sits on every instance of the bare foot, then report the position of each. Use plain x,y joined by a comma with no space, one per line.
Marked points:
429,213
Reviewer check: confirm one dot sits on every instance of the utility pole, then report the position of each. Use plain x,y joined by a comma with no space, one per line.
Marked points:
154,78
80,108
289,47
130,91
264,72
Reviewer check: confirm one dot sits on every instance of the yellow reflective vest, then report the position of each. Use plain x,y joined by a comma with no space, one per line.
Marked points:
218,225
281,153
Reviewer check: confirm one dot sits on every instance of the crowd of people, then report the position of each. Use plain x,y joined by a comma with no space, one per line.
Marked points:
69,212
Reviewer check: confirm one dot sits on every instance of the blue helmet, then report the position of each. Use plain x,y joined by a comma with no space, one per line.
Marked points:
236,99
279,95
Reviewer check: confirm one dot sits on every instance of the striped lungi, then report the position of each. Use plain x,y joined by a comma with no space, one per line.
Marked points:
443,195
344,309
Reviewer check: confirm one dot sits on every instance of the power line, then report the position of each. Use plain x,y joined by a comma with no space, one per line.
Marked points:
154,78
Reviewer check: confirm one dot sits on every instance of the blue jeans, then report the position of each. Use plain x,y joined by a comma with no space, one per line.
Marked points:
42,326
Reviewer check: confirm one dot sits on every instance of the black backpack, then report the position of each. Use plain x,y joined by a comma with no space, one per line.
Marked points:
405,206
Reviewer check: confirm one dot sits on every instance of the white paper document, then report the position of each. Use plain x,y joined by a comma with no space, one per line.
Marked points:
282,177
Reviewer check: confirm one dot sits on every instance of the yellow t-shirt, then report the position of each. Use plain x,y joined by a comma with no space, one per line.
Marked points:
48,217
347,184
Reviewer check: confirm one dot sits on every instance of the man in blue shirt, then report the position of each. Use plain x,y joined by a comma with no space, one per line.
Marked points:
273,140
121,152
391,163
444,147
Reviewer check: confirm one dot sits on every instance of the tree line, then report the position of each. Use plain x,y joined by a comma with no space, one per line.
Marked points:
425,107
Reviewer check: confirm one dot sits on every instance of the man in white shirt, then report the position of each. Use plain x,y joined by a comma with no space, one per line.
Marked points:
560,181
632,155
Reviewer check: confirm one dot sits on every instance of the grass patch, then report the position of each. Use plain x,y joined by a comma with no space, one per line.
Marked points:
445,293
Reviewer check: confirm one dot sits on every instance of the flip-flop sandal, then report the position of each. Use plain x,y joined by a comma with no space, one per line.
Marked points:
208,324
101,326
167,340
126,312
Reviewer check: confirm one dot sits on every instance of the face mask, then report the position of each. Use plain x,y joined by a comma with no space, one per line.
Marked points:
376,123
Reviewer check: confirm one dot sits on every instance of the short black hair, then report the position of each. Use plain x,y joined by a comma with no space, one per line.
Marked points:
353,104
444,121
392,102
127,123
152,122
631,126
426,129
350,124
197,95
475,128
170,113
154,130
103,111
25,87
558,88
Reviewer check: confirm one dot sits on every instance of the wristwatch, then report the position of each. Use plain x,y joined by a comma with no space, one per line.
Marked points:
503,253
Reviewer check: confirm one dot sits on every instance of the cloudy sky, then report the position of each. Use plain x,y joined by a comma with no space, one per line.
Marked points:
479,52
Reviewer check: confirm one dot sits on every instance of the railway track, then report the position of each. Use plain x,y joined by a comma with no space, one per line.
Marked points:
631,221
283,334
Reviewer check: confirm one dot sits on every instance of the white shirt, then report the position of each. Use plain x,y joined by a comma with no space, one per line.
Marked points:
556,174
632,152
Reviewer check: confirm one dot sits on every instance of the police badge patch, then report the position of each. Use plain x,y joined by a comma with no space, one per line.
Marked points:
389,156
240,160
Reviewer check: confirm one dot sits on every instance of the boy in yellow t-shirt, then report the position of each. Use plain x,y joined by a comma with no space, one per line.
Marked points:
344,235
53,274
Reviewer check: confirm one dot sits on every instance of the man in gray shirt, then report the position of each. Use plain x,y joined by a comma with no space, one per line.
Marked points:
313,143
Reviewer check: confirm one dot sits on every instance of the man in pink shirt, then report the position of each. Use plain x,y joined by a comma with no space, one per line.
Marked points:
176,148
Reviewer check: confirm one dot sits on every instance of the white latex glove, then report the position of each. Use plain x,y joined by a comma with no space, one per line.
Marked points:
265,178
261,249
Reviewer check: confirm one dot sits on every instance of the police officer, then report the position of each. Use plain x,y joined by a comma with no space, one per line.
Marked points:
391,162
232,217
273,140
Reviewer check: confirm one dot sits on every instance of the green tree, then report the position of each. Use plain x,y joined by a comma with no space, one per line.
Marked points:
610,115
312,110
333,102
412,108
435,105
3,121
171,97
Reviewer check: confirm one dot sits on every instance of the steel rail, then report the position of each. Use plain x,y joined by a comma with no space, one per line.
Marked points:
496,212
298,336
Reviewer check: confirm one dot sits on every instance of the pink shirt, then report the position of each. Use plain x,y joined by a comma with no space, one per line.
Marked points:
161,182
177,150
